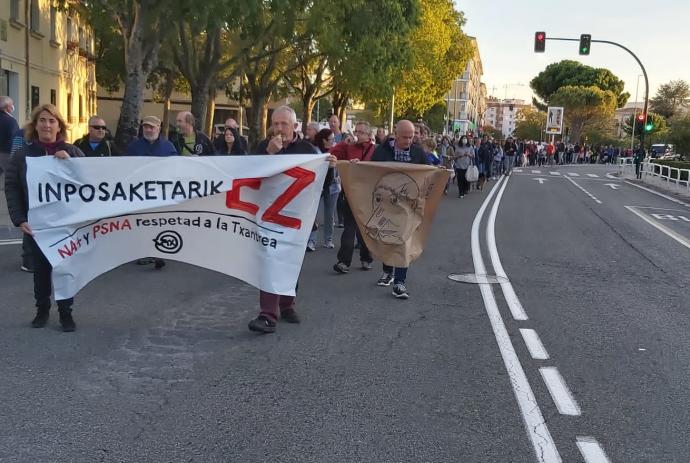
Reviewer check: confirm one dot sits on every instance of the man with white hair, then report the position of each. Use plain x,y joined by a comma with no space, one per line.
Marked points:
8,127
283,141
189,141
311,131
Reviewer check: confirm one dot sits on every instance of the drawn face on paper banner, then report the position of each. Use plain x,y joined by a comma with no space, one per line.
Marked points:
395,215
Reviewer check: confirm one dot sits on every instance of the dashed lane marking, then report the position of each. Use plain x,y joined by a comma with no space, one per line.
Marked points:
593,175
555,173
534,344
562,397
585,191
591,450
573,174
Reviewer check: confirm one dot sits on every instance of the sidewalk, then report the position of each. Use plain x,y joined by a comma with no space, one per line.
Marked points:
655,183
7,230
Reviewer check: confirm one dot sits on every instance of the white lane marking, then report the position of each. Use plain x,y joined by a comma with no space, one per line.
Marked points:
565,403
517,170
573,174
677,201
585,191
536,171
612,185
534,344
511,298
612,177
9,242
535,425
591,450
593,175
540,180
555,173
662,228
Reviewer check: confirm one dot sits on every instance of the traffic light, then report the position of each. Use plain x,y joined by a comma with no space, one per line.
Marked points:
649,125
539,42
585,43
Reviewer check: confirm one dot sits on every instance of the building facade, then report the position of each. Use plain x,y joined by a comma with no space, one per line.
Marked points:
503,114
47,56
466,97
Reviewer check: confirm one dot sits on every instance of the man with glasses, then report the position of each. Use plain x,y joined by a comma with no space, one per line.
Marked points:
361,150
95,144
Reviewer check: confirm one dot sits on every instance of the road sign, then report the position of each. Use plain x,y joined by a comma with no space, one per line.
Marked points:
554,120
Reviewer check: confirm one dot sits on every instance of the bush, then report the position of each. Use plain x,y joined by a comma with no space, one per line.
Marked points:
676,164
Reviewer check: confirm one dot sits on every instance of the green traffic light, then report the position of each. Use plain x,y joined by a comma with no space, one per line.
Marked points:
648,127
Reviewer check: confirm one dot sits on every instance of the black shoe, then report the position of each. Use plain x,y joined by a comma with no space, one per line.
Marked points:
262,324
289,316
385,280
66,321
159,264
400,291
341,267
41,318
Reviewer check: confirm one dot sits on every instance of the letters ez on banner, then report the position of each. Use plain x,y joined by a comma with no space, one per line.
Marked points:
246,216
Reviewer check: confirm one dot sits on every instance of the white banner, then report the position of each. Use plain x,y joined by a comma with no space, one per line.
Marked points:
245,216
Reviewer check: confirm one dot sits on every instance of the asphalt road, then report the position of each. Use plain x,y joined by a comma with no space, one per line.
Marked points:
163,369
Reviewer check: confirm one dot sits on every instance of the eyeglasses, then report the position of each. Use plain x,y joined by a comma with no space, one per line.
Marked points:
227,128
99,127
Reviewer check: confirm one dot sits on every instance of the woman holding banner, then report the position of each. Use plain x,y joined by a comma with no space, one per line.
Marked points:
45,135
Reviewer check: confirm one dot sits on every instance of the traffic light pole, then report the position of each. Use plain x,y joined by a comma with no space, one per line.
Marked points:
644,72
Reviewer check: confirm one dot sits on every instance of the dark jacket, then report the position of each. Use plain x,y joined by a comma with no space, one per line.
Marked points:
510,148
16,189
386,153
202,145
142,147
486,152
105,148
298,146
238,147
8,127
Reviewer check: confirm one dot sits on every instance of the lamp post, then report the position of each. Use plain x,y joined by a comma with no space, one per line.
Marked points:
632,136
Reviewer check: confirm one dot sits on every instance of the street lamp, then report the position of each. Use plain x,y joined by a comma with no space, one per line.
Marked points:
632,136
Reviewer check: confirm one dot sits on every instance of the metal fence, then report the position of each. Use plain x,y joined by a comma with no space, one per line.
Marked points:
666,177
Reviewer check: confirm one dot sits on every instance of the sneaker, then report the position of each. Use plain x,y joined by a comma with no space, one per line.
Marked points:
159,264
262,324
66,321
341,267
400,291
289,316
26,269
366,265
41,318
311,246
339,225
385,280
329,244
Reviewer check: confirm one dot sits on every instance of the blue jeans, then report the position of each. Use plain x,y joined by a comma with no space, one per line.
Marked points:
329,202
399,273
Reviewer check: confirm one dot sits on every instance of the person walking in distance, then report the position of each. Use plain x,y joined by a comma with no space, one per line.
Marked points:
510,149
45,133
399,149
8,128
464,155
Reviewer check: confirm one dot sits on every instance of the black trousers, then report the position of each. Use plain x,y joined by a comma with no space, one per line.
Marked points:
463,185
347,240
43,283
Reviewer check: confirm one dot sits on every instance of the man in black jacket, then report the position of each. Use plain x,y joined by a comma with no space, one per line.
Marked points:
188,141
95,144
399,149
8,127
284,141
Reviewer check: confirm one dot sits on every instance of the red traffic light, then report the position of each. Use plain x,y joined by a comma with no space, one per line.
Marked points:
539,42
640,117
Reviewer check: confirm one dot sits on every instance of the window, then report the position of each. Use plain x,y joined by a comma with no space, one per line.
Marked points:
81,108
69,29
69,107
14,10
53,23
53,97
35,16
35,97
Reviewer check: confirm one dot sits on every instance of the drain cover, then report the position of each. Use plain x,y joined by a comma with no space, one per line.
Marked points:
476,279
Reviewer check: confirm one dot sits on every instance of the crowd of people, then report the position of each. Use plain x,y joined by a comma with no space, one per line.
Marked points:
472,160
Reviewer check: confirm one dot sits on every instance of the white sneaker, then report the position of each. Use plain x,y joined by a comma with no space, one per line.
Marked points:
329,244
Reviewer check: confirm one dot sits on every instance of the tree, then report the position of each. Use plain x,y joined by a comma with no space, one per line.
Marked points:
141,26
433,117
680,135
585,107
530,124
573,73
492,132
440,51
671,98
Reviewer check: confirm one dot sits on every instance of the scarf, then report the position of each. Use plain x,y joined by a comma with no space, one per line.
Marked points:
50,148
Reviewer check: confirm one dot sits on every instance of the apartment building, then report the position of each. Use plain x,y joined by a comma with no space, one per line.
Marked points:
503,114
467,95
47,56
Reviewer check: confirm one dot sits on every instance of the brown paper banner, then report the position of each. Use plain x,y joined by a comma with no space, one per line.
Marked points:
394,204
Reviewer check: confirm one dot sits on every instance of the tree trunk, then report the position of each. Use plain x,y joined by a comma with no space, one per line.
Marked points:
307,110
210,113
135,80
256,118
167,101
199,103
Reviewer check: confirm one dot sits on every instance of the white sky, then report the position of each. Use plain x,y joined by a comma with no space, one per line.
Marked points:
657,31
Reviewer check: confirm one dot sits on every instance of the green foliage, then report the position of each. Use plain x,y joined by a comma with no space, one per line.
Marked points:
585,107
574,73
680,135
440,51
433,117
492,132
671,98
530,124
658,122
